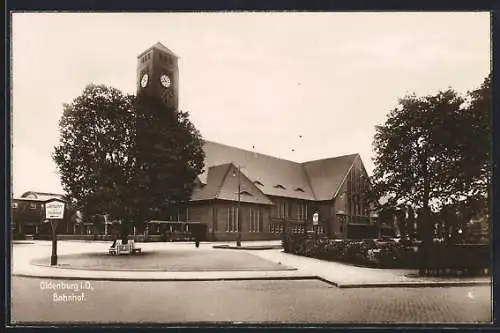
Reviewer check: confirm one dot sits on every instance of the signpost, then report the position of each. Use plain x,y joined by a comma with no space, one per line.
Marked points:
54,211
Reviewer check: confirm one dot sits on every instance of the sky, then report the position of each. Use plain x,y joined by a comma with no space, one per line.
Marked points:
299,86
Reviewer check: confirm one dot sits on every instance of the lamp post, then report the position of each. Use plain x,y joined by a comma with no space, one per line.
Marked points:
315,224
375,220
238,238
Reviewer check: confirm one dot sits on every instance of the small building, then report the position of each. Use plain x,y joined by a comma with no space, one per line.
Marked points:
28,215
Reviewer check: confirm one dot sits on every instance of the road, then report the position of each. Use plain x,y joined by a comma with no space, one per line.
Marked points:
283,301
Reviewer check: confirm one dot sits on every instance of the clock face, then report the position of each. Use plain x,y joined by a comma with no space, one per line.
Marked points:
144,80
165,81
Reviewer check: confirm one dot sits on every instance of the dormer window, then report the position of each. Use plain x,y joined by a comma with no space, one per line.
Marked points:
279,186
298,189
258,183
246,193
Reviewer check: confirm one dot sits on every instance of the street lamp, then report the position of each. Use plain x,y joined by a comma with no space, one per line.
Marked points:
376,221
315,224
238,239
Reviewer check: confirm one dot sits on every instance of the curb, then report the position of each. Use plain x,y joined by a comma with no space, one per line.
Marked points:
251,278
422,284
416,284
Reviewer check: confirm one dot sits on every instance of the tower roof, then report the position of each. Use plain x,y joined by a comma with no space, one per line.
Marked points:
161,47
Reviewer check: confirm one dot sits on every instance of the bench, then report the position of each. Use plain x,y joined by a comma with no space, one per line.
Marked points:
124,249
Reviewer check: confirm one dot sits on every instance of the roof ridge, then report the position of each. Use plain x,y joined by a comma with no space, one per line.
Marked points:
330,158
223,180
43,192
253,152
308,180
343,179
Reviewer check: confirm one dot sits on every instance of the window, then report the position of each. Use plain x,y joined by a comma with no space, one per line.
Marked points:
255,224
276,228
279,186
279,210
231,220
246,193
14,205
297,229
282,209
182,213
258,183
301,212
298,189
33,205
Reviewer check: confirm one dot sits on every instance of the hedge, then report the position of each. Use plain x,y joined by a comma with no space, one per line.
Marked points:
436,259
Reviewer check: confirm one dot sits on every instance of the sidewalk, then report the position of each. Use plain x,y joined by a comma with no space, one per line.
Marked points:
349,276
338,274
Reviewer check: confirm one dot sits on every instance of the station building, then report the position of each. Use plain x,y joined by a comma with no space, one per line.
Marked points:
247,194
255,196
274,195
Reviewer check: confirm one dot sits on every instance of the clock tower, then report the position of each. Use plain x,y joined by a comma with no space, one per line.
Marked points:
158,74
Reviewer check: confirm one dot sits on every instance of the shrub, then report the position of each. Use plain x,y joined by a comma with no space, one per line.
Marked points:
362,252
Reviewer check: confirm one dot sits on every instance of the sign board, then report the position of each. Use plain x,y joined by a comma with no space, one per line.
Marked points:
54,209
315,218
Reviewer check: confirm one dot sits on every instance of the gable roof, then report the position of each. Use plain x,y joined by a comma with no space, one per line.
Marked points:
268,170
41,196
222,185
161,47
327,175
210,188
249,192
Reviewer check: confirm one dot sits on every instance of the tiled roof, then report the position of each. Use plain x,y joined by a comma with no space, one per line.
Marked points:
222,183
213,182
313,180
249,192
268,170
327,175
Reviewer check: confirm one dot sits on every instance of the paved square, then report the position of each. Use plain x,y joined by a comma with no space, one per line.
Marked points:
172,260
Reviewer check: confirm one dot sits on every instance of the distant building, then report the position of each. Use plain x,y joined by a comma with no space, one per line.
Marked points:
28,214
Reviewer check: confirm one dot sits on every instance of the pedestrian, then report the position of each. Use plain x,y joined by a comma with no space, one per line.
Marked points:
196,240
